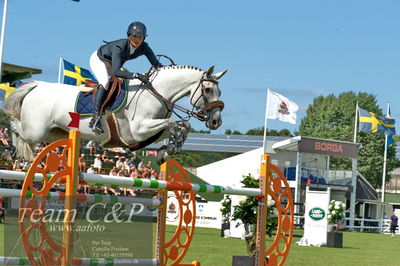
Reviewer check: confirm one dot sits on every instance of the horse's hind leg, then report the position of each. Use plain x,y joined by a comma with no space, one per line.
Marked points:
26,134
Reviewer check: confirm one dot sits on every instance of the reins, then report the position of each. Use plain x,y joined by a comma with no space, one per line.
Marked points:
200,114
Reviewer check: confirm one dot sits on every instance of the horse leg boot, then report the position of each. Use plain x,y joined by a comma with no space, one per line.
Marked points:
184,127
178,136
95,123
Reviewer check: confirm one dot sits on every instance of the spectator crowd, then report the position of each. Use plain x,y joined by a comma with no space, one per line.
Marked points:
118,165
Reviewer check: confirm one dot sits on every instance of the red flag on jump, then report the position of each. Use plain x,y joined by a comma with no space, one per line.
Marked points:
75,119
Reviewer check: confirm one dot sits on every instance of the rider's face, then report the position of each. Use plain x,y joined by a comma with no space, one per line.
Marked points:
135,40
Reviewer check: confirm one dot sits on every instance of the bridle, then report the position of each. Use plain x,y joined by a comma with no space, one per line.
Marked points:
200,113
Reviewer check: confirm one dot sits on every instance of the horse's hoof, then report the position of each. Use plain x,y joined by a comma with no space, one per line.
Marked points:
160,155
171,149
160,160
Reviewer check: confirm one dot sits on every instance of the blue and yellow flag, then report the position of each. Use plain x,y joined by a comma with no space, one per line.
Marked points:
370,122
7,88
75,75
389,138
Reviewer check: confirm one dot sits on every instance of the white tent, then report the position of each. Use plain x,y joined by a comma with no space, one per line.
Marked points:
230,171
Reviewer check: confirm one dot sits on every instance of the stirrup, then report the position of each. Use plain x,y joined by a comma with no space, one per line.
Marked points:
91,123
96,125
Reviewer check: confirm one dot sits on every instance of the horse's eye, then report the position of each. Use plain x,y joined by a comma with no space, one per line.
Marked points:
208,90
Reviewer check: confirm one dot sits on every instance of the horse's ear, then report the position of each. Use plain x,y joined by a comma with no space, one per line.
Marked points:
210,71
219,75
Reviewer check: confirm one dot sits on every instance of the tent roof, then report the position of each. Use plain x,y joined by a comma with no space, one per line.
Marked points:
13,72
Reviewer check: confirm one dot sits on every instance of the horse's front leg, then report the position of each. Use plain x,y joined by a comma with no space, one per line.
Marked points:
178,132
178,135
150,127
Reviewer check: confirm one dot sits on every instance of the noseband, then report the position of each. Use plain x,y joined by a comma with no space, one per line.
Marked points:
201,113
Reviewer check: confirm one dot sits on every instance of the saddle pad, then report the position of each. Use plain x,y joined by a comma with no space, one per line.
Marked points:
84,102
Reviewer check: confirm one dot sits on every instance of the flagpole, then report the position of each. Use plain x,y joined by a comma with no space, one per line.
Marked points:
3,28
354,177
355,124
384,161
265,123
59,69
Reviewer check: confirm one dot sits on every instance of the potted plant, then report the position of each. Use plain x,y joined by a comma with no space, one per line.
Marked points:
246,213
335,215
226,216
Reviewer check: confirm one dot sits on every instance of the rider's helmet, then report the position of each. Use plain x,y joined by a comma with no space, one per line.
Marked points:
137,28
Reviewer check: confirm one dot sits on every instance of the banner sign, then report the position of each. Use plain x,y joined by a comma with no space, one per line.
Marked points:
315,217
328,147
208,214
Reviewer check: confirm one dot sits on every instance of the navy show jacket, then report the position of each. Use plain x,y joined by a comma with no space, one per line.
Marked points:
118,52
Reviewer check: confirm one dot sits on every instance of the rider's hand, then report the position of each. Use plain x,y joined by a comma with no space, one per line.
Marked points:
141,77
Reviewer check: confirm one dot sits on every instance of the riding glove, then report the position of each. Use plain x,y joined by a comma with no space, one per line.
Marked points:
141,77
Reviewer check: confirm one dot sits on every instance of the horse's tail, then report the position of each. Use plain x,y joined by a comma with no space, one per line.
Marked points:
12,105
12,108
23,148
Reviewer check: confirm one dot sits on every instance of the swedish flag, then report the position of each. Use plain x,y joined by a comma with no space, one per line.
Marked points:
75,75
7,89
389,138
370,122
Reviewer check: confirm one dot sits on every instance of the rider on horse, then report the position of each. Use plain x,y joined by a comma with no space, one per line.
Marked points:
108,60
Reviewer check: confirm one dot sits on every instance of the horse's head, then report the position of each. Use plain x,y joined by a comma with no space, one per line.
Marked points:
205,98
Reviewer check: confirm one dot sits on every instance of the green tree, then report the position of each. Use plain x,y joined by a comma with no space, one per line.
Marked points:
192,130
332,117
260,132
285,133
232,132
256,131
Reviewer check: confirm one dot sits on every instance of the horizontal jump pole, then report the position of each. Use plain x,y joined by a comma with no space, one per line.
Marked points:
125,182
91,198
83,261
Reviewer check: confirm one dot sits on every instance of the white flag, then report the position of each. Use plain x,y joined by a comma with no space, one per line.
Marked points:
280,107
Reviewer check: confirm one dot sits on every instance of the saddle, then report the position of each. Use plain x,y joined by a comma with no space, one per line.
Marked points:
113,90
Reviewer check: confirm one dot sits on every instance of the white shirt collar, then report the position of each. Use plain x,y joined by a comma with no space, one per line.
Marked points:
131,49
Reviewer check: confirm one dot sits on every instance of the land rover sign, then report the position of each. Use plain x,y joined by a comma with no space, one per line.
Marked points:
317,214
315,222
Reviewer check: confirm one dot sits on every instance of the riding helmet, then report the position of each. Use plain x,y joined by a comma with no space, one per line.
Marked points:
137,28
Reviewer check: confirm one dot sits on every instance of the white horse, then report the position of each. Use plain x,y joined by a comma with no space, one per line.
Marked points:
39,111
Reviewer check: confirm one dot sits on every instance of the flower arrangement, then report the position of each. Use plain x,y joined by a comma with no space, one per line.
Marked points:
246,212
336,211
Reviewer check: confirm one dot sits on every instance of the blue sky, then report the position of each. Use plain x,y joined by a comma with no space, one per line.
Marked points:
300,49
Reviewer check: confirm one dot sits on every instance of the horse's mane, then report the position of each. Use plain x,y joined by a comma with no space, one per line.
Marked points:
180,67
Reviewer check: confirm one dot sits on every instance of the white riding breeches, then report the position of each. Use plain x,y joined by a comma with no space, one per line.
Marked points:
101,70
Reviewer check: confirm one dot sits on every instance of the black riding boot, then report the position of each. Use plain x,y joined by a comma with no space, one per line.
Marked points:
95,123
